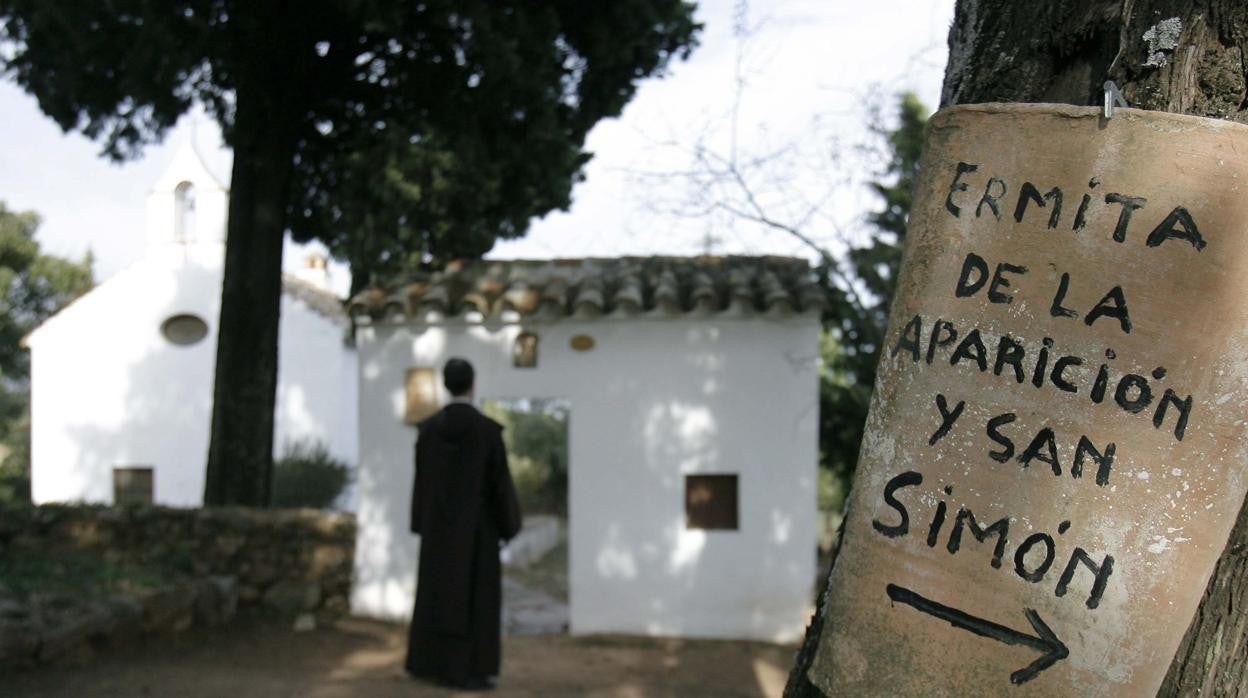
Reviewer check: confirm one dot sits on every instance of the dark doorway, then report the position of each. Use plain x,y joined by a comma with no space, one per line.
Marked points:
536,591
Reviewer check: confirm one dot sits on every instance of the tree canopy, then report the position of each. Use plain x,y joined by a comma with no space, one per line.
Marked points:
35,287
535,433
398,133
424,130
853,350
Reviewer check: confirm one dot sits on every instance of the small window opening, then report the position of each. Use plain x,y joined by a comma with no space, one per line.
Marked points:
184,329
711,502
184,212
133,485
524,351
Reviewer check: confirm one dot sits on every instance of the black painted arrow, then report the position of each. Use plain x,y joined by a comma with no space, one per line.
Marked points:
1053,648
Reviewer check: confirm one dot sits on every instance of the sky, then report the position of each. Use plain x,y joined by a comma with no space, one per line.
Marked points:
783,84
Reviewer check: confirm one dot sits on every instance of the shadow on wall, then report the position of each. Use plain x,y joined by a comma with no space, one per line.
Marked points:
149,404
633,562
386,553
710,582
144,402
160,424
680,438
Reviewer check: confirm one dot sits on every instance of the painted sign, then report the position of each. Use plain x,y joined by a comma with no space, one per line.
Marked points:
1056,448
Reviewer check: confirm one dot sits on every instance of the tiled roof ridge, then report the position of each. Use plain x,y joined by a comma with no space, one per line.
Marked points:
321,301
598,286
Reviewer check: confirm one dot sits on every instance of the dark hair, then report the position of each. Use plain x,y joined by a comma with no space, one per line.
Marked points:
457,376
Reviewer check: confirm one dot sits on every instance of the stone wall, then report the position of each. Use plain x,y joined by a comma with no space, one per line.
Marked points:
209,562
291,560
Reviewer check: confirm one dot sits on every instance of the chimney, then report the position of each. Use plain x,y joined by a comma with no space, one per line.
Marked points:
315,270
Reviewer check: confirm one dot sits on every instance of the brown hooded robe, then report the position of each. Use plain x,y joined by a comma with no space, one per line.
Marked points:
463,504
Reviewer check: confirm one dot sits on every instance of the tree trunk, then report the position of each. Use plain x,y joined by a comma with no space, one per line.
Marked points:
1063,51
264,135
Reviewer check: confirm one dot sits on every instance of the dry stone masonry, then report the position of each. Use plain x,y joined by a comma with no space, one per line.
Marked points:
291,562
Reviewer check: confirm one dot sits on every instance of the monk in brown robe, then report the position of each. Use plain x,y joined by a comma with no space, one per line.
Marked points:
463,506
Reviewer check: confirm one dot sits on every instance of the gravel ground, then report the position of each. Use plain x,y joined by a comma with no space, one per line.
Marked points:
260,658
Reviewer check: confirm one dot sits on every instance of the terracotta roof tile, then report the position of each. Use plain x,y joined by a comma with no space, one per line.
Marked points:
321,301
590,288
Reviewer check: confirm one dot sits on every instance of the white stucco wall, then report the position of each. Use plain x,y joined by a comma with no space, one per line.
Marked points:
210,199
656,399
108,390
316,387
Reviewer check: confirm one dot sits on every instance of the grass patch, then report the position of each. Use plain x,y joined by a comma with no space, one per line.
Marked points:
81,575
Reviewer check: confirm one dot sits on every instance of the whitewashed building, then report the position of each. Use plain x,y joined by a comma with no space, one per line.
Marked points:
693,385
121,380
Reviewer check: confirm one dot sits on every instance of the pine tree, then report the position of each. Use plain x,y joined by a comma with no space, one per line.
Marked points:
395,132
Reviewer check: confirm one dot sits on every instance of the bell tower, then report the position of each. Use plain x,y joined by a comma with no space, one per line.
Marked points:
187,206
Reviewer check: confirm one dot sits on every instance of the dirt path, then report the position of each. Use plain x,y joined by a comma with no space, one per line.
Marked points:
255,659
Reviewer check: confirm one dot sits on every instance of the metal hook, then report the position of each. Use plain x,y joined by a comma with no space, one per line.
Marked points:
1113,98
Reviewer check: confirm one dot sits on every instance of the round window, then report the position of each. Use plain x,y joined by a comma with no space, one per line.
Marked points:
184,330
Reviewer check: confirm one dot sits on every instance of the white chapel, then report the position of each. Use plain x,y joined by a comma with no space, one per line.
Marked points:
692,385
121,380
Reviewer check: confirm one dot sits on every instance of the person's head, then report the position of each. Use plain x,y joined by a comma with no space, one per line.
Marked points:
457,376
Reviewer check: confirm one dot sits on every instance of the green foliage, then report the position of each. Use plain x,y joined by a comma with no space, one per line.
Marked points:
81,575
535,432
307,475
852,341
399,133
35,286
422,130
14,485
833,489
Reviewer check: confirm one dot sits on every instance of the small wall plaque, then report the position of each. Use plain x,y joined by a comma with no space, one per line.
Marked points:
582,342
421,388
524,351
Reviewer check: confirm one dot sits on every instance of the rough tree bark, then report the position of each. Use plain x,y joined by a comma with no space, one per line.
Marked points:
270,103
1183,56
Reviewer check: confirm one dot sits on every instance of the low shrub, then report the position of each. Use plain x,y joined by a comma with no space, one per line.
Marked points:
307,475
